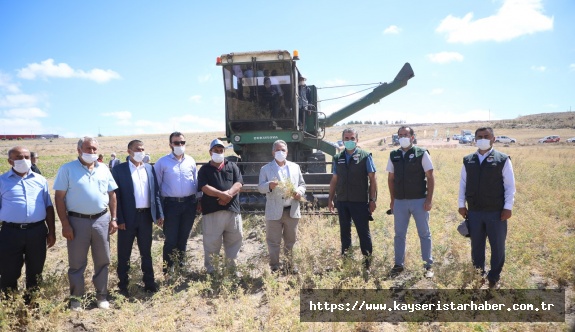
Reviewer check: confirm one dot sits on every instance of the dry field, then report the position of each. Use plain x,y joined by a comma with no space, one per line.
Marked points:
540,248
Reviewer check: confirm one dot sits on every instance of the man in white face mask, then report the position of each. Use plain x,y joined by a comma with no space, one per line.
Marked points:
487,185
86,205
220,182
24,233
411,185
139,206
178,182
282,211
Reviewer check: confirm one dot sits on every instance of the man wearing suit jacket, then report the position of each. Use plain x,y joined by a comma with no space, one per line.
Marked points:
113,161
282,182
139,205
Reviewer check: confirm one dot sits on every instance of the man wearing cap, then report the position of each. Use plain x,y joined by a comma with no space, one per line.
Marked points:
411,185
282,211
113,160
27,223
34,160
220,181
177,176
139,206
487,184
86,205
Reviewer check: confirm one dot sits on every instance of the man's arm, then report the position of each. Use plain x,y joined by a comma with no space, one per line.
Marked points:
509,187
372,191
51,223
332,185
121,222
462,187
112,206
391,186
430,187
67,230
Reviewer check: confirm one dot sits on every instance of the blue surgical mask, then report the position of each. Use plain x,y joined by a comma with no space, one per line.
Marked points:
349,145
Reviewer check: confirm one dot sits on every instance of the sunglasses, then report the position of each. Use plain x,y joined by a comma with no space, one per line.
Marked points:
179,143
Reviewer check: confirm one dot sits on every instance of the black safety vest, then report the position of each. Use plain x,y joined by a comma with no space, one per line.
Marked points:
408,175
352,181
484,189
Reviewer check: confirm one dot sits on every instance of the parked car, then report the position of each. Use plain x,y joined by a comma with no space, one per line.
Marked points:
467,139
550,139
456,137
505,139
571,140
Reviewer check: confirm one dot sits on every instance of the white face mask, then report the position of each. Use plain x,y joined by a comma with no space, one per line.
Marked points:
138,156
218,157
280,156
405,142
89,158
22,165
483,144
179,150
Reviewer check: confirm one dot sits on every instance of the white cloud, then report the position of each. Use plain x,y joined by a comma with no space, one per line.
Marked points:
437,91
196,98
515,18
47,68
538,68
122,115
18,100
7,85
204,78
392,30
14,126
572,67
25,113
445,57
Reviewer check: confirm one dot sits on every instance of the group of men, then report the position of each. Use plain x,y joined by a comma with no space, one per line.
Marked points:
486,197
93,202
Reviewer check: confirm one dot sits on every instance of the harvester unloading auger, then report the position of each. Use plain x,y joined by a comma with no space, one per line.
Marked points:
261,90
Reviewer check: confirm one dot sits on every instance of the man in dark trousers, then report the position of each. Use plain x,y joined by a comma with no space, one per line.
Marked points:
27,219
355,185
138,206
487,184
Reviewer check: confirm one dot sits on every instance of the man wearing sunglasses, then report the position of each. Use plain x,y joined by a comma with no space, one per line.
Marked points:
178,182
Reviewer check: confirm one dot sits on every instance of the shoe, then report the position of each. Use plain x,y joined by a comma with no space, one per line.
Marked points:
76,306
124,291
153,288
275,268
396,270
429,273
494,284
103,304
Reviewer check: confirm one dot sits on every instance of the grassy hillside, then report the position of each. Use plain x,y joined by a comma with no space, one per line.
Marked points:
540,247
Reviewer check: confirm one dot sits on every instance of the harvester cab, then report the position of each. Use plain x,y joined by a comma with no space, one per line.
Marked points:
264,103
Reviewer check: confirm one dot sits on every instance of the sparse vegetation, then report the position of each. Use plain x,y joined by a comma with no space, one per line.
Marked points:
540,249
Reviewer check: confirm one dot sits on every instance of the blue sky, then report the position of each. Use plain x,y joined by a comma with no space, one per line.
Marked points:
79,68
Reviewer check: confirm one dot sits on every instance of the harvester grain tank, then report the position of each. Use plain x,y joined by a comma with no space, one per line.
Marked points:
261,100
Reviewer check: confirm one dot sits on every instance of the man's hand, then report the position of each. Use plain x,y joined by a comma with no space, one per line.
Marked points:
427,205
391,204
330,205
372,206
273,184
68,232
122,226
50,240
113,227
505,214
160,222
224,197
463,212
296,196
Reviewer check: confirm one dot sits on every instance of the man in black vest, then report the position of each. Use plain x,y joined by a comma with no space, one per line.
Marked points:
411,183
355,184
488,186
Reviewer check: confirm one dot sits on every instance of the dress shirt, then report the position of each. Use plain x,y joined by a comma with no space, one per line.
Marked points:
23,199
508,182
425,162
86,191
141,188
177,178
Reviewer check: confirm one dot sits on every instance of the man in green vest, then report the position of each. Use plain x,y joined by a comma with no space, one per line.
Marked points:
411,183
487,184
355,185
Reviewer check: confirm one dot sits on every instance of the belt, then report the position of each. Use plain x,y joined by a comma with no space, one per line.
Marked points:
142,210
180,199
287,207
87,216
22,225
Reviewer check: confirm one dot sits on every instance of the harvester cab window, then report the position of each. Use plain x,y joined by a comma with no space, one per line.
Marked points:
259,95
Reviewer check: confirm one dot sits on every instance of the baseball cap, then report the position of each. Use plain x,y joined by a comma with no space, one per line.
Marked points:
463,229
217,142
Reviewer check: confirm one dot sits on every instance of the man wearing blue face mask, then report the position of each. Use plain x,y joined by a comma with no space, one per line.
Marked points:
487,184
220,181
354,182
282,209
411,185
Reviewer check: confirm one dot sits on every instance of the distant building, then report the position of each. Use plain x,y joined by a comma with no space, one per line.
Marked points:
28,136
